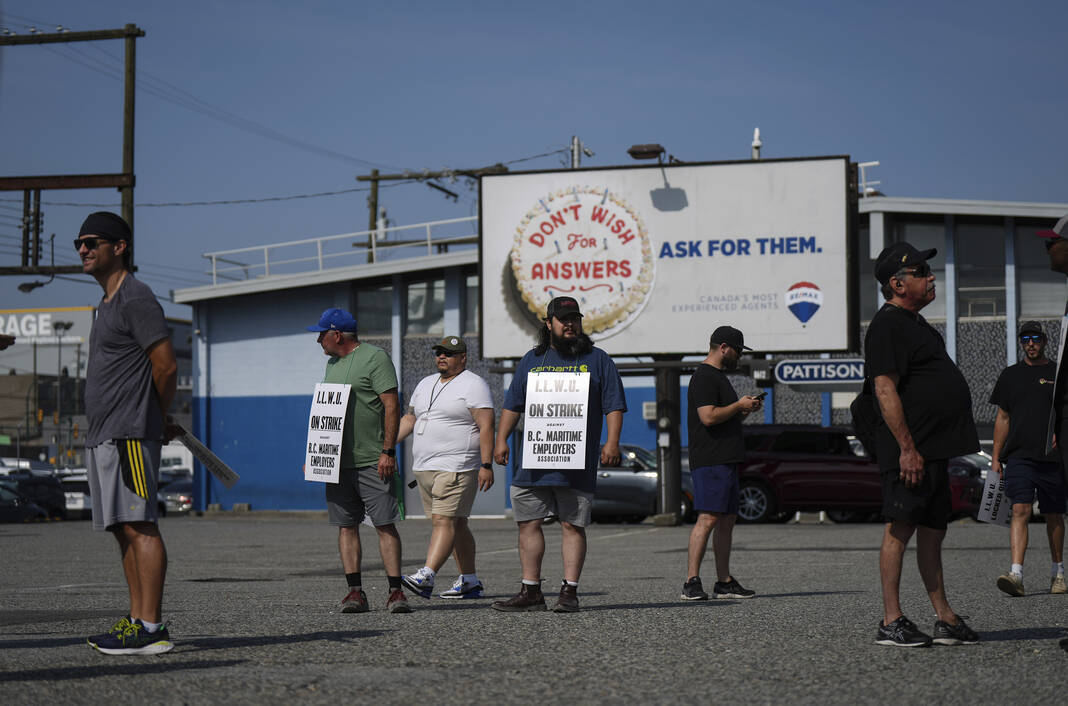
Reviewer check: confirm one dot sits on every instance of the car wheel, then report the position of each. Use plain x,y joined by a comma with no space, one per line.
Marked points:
686,512
755,503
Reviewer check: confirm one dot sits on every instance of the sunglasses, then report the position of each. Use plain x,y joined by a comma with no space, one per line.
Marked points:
1031,338
90,243
447,354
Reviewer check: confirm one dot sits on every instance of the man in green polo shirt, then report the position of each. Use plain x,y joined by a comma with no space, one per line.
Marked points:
368,456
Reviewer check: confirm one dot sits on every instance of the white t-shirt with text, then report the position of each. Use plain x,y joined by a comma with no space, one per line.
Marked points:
445,437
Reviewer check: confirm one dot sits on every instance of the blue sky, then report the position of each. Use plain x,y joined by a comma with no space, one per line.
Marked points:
954,103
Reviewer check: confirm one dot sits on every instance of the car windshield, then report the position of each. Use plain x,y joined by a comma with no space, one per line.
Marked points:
647,457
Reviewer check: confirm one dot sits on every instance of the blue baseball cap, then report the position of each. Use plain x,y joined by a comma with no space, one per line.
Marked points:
335,320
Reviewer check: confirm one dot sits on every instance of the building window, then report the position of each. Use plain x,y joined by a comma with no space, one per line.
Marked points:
426,307
374,310
1042,291
980,251
471,304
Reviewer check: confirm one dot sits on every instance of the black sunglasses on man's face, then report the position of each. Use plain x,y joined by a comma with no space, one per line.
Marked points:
922,271
91,243
1031,338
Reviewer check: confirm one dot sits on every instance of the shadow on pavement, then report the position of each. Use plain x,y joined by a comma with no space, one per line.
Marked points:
195,644
672,604
25,617
1035,633
161,666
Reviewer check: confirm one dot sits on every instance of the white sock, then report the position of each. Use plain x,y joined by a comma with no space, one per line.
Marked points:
1057,569
571,583
1017,569
469,578
151,627
530,582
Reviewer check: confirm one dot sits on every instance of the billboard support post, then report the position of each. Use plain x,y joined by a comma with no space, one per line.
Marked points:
668,445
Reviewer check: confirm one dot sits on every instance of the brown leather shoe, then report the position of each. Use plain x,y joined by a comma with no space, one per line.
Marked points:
529,598
568,600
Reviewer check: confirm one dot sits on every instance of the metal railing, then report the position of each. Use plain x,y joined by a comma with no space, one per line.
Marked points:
317,254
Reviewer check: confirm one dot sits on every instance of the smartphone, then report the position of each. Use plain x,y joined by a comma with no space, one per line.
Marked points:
761,396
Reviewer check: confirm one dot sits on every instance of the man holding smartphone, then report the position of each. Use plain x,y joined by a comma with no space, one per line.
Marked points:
716,448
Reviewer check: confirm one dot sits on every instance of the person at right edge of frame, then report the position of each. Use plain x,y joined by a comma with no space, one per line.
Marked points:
1057,426
715,414
1024,395
566,493
925,407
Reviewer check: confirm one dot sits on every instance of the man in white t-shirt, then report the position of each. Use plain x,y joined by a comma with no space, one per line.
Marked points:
450,420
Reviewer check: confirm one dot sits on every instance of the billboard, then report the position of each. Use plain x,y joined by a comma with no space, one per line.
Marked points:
659,256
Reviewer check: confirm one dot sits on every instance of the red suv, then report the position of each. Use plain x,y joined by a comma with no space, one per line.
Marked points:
811,468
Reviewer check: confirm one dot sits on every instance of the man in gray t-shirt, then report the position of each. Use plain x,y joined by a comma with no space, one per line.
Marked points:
130,383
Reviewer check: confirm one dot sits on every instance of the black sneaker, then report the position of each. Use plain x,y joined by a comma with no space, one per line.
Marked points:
731,589
693,591
901,633
134,640
959,634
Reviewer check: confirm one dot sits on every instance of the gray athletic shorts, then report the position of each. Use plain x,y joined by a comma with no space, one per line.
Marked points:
536,503
361,493
123,474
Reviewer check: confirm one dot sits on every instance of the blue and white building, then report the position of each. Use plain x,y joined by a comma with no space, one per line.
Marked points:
254,365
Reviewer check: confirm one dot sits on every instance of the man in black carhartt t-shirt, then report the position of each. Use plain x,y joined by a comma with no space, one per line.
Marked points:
1023,394
716,448
926,410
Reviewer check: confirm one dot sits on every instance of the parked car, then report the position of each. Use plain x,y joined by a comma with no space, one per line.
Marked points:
811,468
15,507
80,503
43,489
178,496
629,491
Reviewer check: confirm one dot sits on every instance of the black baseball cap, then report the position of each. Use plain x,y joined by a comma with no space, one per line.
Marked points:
729,335
561,307
897,257
1031,327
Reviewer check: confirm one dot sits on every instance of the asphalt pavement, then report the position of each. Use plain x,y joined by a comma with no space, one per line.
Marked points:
252,604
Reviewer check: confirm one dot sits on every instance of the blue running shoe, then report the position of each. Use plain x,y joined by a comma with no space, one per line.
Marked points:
419,583
463,590
133,640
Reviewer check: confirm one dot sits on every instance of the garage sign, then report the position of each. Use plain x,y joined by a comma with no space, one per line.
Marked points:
820,372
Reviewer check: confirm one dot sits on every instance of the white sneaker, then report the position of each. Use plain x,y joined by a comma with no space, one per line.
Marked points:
463,590
420,583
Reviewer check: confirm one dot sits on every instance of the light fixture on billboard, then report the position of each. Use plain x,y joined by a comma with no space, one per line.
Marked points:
650,151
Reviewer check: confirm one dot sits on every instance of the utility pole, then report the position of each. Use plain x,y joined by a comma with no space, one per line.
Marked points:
374,177
32,186
372,206
577,150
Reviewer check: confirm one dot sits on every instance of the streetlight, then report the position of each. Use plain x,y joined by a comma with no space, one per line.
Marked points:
60,327
652,151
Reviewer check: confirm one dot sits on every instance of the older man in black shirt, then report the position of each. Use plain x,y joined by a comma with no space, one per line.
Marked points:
926,410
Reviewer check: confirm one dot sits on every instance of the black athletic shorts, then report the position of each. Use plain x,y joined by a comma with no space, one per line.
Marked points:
926,504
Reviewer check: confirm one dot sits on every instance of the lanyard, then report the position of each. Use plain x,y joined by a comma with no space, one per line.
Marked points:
434,397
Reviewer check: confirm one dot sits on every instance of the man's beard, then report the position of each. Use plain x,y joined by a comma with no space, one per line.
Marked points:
570,347
730,363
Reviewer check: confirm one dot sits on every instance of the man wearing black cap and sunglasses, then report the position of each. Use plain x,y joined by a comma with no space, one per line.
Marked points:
565,493
715,414
925,407
1024,395
129,385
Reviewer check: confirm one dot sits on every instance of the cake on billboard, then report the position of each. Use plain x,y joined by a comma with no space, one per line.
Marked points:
804,300
588,243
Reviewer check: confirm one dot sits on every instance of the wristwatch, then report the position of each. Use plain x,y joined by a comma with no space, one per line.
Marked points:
390,452
488,466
